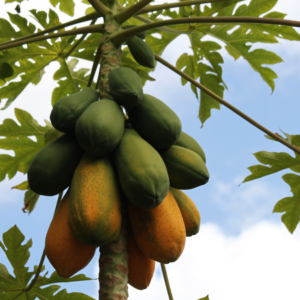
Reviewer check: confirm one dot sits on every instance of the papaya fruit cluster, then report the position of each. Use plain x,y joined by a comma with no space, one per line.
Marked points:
109,160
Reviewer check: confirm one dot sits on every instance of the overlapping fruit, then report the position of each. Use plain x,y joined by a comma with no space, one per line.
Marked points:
110,160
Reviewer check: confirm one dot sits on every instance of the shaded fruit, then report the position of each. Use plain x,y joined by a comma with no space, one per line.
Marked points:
142,173
95,203
67,110
126,87
186,168
141,35
65,252
186,141
141,52
155,122
140,267
159,232
100,127
51,170
189,211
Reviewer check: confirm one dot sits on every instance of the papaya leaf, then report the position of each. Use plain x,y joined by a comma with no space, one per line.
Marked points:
12,286
51,134
66,6
290,206
6,70
11,1
205,298
75,80
22,186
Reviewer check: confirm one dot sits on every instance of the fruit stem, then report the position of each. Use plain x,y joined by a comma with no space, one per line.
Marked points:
78,42
151,8
123,36
127,13
225,103
37,274
82,30
164,270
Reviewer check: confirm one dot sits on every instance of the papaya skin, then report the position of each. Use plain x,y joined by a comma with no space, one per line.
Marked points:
160,231
95,202
141,268
65,252
189,211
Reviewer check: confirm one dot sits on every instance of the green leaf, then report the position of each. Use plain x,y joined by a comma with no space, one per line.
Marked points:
11,1
16,139
6,70
66,6
74,82
205,298
51,134
22,186
290,206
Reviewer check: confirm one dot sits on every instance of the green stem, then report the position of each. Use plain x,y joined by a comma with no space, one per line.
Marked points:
83,30
78,42
127,13
58,27
100,7
123,36
37,274
225,103
95,65
151,8
164,270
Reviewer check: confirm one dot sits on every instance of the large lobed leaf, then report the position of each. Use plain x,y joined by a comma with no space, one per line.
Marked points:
11,287
274,162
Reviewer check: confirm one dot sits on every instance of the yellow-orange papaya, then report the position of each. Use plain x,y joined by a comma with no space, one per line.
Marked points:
160,231
95,202
65,252
140,267
189,211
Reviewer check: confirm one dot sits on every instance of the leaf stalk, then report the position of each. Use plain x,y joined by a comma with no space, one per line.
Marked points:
167,283
225,103
100,7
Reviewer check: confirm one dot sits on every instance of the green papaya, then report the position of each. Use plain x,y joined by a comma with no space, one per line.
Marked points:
51,170
142,173
155,122
186,168
67,110
141,52
126,87
100,127
141,35
186,141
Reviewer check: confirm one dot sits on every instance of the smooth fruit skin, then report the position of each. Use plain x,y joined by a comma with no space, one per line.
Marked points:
189,211
125,87
186,168
141,52
67,110
159,232
157,123
142,173
66,253
95,203
100,127
141,268
186,141
51,170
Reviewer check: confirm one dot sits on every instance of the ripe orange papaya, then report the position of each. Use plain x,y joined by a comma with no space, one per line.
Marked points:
140,267
65,252
95,202
189,211
160,231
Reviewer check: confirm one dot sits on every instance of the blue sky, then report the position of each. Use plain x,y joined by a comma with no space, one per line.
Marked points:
242,251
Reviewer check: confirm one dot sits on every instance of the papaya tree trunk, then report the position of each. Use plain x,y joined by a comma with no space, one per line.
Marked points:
113,262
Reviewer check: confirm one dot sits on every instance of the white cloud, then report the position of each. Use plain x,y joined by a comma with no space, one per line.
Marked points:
261,263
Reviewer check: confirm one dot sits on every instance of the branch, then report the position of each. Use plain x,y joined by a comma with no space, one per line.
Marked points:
222,101
78,42
127,13
100,7
58,27
119,38
151,8
167,283
83,30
